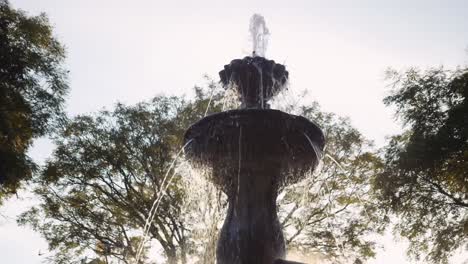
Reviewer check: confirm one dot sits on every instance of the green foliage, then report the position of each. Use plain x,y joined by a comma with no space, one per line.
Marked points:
425,178
32,89
99,186
332,213
104,175
97,189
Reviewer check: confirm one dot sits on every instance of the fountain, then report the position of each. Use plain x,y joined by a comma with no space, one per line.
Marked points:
252,152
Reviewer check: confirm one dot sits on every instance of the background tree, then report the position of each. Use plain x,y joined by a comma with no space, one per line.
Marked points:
332,213
99,187
32,89
425,181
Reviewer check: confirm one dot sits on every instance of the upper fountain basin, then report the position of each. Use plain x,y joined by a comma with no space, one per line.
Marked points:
256,79
252,138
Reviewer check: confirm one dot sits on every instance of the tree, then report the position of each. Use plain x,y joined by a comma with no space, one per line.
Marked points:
99,187
332,212
425,179
32,89
104,178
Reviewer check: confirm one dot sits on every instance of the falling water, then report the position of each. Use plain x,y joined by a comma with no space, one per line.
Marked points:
260,74
259,34
239,163
210,204
341,167
209,102
154,207
230,99
316,149
319,155
335,161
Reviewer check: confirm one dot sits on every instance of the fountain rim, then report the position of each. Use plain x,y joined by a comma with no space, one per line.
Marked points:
257,111
293,157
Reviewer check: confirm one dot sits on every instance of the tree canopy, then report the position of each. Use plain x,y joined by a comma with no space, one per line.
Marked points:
333,212
32,89
98,188
425,178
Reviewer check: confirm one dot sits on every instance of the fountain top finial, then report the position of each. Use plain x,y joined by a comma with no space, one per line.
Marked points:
255,78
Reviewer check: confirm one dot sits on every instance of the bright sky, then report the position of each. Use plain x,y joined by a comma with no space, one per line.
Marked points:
129,51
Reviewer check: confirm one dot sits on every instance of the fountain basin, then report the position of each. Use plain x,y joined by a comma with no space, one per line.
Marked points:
252,153
254,137
256,79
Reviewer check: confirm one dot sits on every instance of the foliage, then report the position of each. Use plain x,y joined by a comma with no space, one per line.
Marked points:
107,169
331,214
100,185
425,178
32,89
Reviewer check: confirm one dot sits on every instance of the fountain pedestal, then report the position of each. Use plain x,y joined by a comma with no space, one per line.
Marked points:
251,231
252,153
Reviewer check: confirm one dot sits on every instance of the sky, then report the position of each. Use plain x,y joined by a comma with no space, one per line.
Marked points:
130,51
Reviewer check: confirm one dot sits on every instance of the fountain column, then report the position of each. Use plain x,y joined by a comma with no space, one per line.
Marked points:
252,152
252,233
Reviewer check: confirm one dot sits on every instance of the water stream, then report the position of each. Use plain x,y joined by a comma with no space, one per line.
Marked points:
259,34
349,178
157,201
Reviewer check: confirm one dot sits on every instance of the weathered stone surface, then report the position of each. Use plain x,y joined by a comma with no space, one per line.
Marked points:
282,261
256,80
252,153
256,136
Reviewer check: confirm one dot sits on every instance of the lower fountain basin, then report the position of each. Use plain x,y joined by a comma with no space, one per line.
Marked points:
254,137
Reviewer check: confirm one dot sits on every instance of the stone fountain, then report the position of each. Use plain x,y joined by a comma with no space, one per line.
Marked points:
252,152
